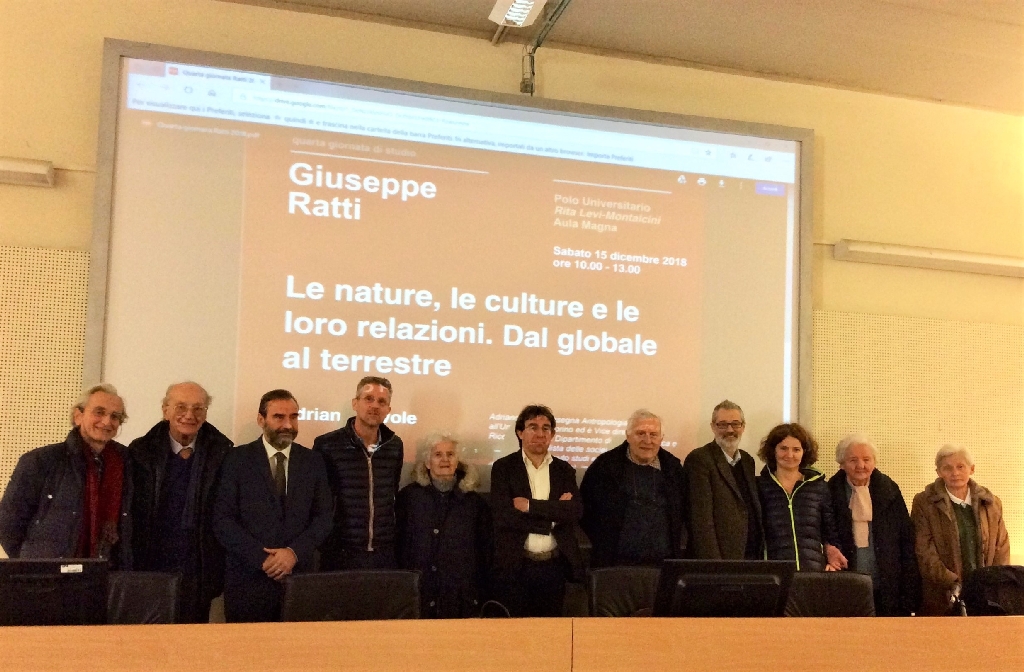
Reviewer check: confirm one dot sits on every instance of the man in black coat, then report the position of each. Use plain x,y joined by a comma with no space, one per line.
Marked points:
536,507
273,509
73,499
634,499
725,511
363,455
175,468
884,548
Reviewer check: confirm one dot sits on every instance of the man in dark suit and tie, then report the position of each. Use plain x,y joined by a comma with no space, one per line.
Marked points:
273,509
536,507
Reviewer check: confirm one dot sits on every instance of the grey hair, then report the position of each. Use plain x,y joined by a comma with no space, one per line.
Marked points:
850,440
83,401
727,405
167,394
641,414
949,450
434,438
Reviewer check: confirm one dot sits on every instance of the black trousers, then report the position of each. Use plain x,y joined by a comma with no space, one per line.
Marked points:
193,606
536,590
256,599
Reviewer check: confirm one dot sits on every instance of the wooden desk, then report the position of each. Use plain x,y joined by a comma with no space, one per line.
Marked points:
488,645
798,644
534,645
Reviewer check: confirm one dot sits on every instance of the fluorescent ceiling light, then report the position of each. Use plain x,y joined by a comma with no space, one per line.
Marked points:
29,172
516,13
924,257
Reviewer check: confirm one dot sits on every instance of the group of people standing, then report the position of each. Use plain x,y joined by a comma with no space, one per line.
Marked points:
237,520
856,520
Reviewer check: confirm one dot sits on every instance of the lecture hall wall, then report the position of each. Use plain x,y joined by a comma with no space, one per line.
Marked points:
887,169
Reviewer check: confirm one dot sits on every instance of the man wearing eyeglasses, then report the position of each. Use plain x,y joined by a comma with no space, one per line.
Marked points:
634,499
175,468
72,499
725,513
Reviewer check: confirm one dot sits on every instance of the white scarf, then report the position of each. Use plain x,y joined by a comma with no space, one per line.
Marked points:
860,508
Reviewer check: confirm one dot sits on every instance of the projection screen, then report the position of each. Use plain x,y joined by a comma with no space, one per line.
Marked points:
262,225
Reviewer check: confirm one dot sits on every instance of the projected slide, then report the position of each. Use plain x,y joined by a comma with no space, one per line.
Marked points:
479,257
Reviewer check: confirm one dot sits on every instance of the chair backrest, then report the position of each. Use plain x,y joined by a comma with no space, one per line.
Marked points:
994,591
370,595
622,591
831,594
142,598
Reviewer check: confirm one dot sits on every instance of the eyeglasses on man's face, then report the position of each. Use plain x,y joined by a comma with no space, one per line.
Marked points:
738,424
197,409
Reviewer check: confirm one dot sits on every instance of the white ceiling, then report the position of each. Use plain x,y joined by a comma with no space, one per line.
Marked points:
965,52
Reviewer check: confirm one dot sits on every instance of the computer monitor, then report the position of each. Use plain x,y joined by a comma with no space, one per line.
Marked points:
723,588
61,591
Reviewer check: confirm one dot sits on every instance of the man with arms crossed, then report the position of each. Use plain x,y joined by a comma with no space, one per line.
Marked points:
175,467
725,512
536,507
73,499
273,509
634,499
364,465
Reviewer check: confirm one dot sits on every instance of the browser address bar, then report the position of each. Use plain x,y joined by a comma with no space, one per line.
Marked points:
298,102
282,99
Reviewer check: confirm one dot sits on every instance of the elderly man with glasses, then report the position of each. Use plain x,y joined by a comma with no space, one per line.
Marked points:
175,468
725,512
71,499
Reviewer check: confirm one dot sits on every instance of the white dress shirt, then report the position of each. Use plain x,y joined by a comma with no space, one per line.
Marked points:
540,488
271,451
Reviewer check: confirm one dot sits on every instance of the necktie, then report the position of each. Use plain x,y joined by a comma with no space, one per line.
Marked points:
185,453
279,475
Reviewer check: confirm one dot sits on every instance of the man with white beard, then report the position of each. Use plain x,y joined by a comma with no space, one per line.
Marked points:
725,513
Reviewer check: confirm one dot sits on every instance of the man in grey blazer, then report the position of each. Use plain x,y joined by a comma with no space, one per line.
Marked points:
725,513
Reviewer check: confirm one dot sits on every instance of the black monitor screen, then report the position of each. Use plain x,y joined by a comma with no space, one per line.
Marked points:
723,588
61,591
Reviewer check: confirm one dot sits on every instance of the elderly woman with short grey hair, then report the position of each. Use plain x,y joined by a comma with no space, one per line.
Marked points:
444,531
874,527
959,527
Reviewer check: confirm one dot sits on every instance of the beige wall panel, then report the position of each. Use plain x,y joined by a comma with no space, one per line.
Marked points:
58,217
853,287
915,384
42,342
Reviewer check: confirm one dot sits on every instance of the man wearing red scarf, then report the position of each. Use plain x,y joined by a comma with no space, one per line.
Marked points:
72,499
